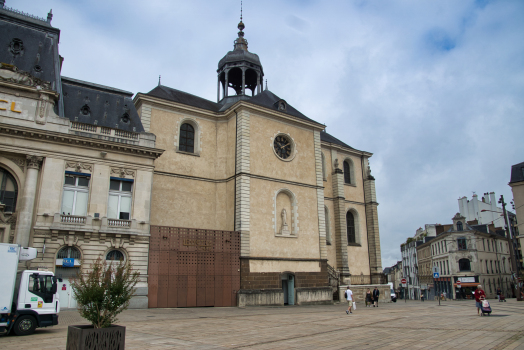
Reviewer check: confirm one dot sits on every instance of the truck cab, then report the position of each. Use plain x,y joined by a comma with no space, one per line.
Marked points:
28,299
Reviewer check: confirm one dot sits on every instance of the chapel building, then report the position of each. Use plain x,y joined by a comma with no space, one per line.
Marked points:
253,203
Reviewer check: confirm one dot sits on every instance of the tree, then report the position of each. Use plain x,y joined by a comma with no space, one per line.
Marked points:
104,291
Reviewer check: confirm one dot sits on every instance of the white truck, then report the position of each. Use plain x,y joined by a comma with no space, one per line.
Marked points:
28,298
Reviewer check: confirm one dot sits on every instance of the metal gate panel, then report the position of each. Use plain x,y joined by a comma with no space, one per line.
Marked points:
172,294
163,286
191,267
182,291
152,291
191,290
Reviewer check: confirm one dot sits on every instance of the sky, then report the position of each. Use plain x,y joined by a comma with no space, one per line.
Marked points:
434,89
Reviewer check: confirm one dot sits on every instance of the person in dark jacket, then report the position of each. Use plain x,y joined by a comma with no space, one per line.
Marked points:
376,293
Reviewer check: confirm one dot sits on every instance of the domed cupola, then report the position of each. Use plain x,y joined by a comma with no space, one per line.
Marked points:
239,69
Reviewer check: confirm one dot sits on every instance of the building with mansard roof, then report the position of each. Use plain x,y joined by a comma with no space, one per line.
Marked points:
76,166
253,202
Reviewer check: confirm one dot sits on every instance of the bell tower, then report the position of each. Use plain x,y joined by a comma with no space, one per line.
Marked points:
239,70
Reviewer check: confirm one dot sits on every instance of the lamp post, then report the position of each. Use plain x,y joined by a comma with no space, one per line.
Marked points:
511,243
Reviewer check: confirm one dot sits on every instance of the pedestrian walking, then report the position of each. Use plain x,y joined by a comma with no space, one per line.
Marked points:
499,292
479,296
376,293
369,298
349,297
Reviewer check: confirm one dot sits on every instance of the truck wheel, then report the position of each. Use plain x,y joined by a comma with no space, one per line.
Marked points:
24,325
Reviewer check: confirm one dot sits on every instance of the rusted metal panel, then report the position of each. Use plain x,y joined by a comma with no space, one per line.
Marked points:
191,267
172,294
163,286
152,291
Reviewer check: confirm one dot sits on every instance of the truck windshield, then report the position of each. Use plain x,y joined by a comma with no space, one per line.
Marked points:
40,284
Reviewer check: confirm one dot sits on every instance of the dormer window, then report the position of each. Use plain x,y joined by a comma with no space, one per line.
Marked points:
282,106
459,226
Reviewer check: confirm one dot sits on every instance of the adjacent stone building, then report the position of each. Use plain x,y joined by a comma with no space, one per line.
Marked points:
517,187
76,165
471,254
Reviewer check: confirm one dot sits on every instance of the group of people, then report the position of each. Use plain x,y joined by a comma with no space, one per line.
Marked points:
371,298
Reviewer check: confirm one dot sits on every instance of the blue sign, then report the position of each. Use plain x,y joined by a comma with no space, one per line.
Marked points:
436,275
68,262
11,249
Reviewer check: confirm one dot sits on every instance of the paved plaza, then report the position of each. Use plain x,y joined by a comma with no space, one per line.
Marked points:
411,325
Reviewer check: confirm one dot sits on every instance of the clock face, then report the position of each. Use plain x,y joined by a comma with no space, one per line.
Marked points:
282,146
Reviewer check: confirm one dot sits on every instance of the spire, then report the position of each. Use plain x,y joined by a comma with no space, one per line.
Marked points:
240,42
50,16
159,80
266,85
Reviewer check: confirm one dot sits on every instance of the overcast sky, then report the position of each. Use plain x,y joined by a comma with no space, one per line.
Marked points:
435,89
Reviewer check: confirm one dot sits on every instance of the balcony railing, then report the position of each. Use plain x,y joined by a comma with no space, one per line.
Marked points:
73,219
118,223
104,130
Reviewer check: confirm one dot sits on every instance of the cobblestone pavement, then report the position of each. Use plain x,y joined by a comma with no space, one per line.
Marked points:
411,325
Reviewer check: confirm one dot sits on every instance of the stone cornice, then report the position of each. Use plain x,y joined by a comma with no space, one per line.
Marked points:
32,89
227,114
70,139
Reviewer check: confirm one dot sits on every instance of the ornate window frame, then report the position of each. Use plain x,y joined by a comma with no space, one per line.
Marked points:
198,136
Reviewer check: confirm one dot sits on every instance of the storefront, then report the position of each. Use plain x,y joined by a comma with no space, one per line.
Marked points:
443,286
467,286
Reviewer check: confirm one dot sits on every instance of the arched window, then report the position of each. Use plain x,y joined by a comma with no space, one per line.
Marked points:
115,255
68,253
347,172
464,265
459,226
187,138
326,220
8,191
350,222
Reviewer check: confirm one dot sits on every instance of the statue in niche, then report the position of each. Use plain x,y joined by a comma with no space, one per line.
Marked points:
284,230
336,163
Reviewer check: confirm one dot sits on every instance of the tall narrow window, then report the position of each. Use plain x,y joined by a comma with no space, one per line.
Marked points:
326,220
8,191
462,245
459,226
120,192
483,244
350,222
76,193
491,265
347,172
187,138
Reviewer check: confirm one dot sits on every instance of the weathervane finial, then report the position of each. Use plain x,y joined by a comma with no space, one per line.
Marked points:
241,11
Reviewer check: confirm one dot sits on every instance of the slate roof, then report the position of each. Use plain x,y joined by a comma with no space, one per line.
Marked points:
517,173
324,136
240,55
38,53
95,104
265,99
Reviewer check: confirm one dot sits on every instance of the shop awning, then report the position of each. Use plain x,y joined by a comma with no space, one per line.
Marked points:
470,284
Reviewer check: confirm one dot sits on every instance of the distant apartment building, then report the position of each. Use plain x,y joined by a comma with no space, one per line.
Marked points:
471,254
473,210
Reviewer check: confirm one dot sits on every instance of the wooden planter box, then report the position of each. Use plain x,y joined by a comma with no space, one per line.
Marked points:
87,337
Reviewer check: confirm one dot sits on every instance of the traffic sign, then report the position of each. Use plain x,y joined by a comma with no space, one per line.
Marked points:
403,281
436,275
458,284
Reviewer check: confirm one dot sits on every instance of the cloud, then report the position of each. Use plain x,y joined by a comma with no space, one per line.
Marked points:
433,89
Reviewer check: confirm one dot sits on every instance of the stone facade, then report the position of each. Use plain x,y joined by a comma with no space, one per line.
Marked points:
63,168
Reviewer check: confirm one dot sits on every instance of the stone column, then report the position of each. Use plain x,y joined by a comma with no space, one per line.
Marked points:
375,260
218,88
27,201
227,83
341,239
243,81
258,83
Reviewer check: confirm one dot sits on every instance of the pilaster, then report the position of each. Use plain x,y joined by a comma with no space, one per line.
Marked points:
375,260
27,199
320,197
341,239
243,182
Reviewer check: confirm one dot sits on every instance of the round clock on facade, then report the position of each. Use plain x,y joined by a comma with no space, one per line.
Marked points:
283,146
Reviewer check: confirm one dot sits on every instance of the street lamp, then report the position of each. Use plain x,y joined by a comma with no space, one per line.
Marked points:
510,238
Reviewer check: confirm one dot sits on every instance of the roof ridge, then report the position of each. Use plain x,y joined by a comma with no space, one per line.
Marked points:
187,93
